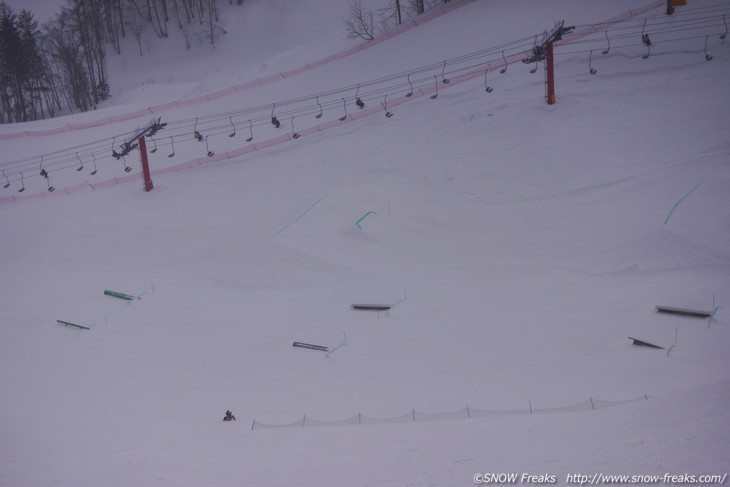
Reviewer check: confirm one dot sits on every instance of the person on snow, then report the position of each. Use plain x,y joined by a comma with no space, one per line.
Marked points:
229,416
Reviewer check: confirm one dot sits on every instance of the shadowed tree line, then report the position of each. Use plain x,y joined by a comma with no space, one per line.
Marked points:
60,67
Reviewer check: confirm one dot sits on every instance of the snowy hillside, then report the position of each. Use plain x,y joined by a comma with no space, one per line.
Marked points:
518,245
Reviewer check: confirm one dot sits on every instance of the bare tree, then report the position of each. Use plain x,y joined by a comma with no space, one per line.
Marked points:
360,23
67,52
418,6
213,28
137,26
392,11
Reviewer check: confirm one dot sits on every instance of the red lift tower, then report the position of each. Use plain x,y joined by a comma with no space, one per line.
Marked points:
544,52
138,140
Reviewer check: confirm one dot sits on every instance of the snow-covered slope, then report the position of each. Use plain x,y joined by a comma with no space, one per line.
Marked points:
519,244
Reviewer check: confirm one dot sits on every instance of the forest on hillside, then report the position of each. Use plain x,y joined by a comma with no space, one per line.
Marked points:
60,67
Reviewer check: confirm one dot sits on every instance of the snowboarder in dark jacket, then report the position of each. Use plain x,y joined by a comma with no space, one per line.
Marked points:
229,416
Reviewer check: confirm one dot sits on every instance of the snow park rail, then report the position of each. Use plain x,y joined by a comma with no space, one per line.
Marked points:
425,86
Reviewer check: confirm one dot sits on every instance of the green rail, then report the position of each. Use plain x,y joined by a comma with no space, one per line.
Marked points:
115,294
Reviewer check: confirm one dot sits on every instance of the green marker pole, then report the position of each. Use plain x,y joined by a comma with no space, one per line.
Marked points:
680,200
333,350
357,223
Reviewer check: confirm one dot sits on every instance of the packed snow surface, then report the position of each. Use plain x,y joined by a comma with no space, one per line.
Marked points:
519,245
